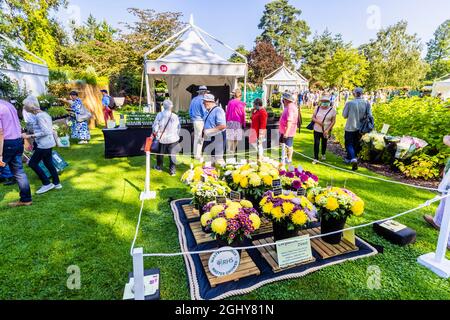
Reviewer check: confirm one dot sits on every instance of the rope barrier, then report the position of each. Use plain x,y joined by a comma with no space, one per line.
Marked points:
225,154
137,228
185,253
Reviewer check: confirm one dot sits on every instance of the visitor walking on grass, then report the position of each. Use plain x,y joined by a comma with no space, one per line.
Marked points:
324,120
258,131
108,105
214,132
11,150
354,112
437,220
167,129
44,143
80,122
236,121
197,113
288,127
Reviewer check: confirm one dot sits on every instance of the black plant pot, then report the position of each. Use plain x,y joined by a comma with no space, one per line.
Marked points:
236,244
206,230
332,225
281,232
200,209
255,200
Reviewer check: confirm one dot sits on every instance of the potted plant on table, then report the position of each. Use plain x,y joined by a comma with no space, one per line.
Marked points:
297,179
232,223
207,191
288,212
195,175
334,206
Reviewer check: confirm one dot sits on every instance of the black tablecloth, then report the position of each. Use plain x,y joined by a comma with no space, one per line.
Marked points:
129,142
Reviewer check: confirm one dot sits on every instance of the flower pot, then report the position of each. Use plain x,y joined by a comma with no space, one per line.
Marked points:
255,200
200,209
281,232
331,225
236,244
206,230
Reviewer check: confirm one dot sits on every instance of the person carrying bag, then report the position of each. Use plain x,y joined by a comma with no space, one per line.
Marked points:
322,128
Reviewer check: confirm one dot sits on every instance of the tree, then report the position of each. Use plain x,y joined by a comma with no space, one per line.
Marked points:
347,68
438,55
394,58
282,26
319,50
263,59
238,59
30,23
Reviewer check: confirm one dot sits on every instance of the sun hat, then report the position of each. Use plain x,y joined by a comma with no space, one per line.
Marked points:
209,98
203,89
288,96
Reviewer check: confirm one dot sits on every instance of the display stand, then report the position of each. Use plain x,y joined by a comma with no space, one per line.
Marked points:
326,250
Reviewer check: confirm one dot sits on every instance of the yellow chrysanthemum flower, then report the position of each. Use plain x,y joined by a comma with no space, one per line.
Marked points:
299,218
231,212
263,201
358,208
244,182
205,218
304,202
332,204
255,180
267,208
268,180
246,204
219,226
288,207
237,177
256,221
216,210
277,213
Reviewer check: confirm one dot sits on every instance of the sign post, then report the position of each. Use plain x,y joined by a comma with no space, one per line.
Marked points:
147,194
437,262
138,273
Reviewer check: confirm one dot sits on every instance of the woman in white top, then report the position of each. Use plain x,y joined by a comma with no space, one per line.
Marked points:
44,142
324,120
167,130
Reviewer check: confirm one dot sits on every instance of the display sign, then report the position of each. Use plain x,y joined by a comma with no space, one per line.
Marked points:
276,183
385,129
350,236
221,200
301,192
225,262
235,196
151,285
294,251
393,226
277,192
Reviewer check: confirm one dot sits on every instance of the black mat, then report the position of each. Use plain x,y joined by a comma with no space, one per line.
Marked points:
198,282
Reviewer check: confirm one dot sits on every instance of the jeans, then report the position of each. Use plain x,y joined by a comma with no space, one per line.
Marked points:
44,155
12,156
171,150
5,173
318,136
352,144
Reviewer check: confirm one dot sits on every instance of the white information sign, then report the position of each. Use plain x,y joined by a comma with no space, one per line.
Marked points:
223,263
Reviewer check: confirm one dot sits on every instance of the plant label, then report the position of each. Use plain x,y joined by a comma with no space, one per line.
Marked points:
235,196
301,192
294,251
221,200
276,183
277,192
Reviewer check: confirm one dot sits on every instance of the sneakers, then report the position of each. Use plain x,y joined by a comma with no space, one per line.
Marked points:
19,204
324,158
58,186
83,142
157,168
354,163
46,188
315,162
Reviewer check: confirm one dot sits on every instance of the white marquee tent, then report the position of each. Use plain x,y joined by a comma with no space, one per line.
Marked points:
32,76
284,79
442,87
192,62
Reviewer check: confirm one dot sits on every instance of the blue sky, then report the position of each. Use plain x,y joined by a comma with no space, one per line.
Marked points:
236,21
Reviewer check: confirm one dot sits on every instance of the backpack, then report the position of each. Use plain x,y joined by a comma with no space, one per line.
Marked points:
112,103
368,122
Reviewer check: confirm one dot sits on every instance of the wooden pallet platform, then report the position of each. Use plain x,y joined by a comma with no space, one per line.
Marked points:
191,212
326,250
199,235
270,255
266,227
247,268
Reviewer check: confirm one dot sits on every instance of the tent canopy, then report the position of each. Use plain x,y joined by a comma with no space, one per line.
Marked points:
285,79
442,87
192,62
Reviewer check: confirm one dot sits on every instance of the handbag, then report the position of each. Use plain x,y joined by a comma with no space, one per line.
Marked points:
311,124
84,114
368,122
156,146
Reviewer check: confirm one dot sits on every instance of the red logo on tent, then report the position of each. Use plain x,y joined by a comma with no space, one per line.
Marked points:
163,68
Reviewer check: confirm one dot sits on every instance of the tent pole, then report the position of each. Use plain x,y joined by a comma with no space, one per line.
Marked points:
166,41
245,84
147,85
142,86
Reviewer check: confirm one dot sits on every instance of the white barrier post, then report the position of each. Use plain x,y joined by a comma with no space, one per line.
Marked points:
147,194
138,273
437,262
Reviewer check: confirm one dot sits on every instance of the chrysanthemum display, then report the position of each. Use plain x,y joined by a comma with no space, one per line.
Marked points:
289,209
335,202
294,180
205,192
194,175
231,222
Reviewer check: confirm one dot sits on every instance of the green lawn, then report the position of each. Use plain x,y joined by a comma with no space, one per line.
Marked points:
91,222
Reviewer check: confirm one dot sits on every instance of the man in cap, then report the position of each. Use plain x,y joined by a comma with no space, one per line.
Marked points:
214,132
106,103
288,126
354,112
197,113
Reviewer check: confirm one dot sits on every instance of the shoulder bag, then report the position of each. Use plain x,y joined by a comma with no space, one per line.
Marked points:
156,146
311,124
368,122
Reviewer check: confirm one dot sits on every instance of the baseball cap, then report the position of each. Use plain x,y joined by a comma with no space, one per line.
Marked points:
209,97
203,88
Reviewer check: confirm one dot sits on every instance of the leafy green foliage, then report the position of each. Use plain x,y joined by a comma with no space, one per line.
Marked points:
57,112
423,166
282,26
394,58
438,55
